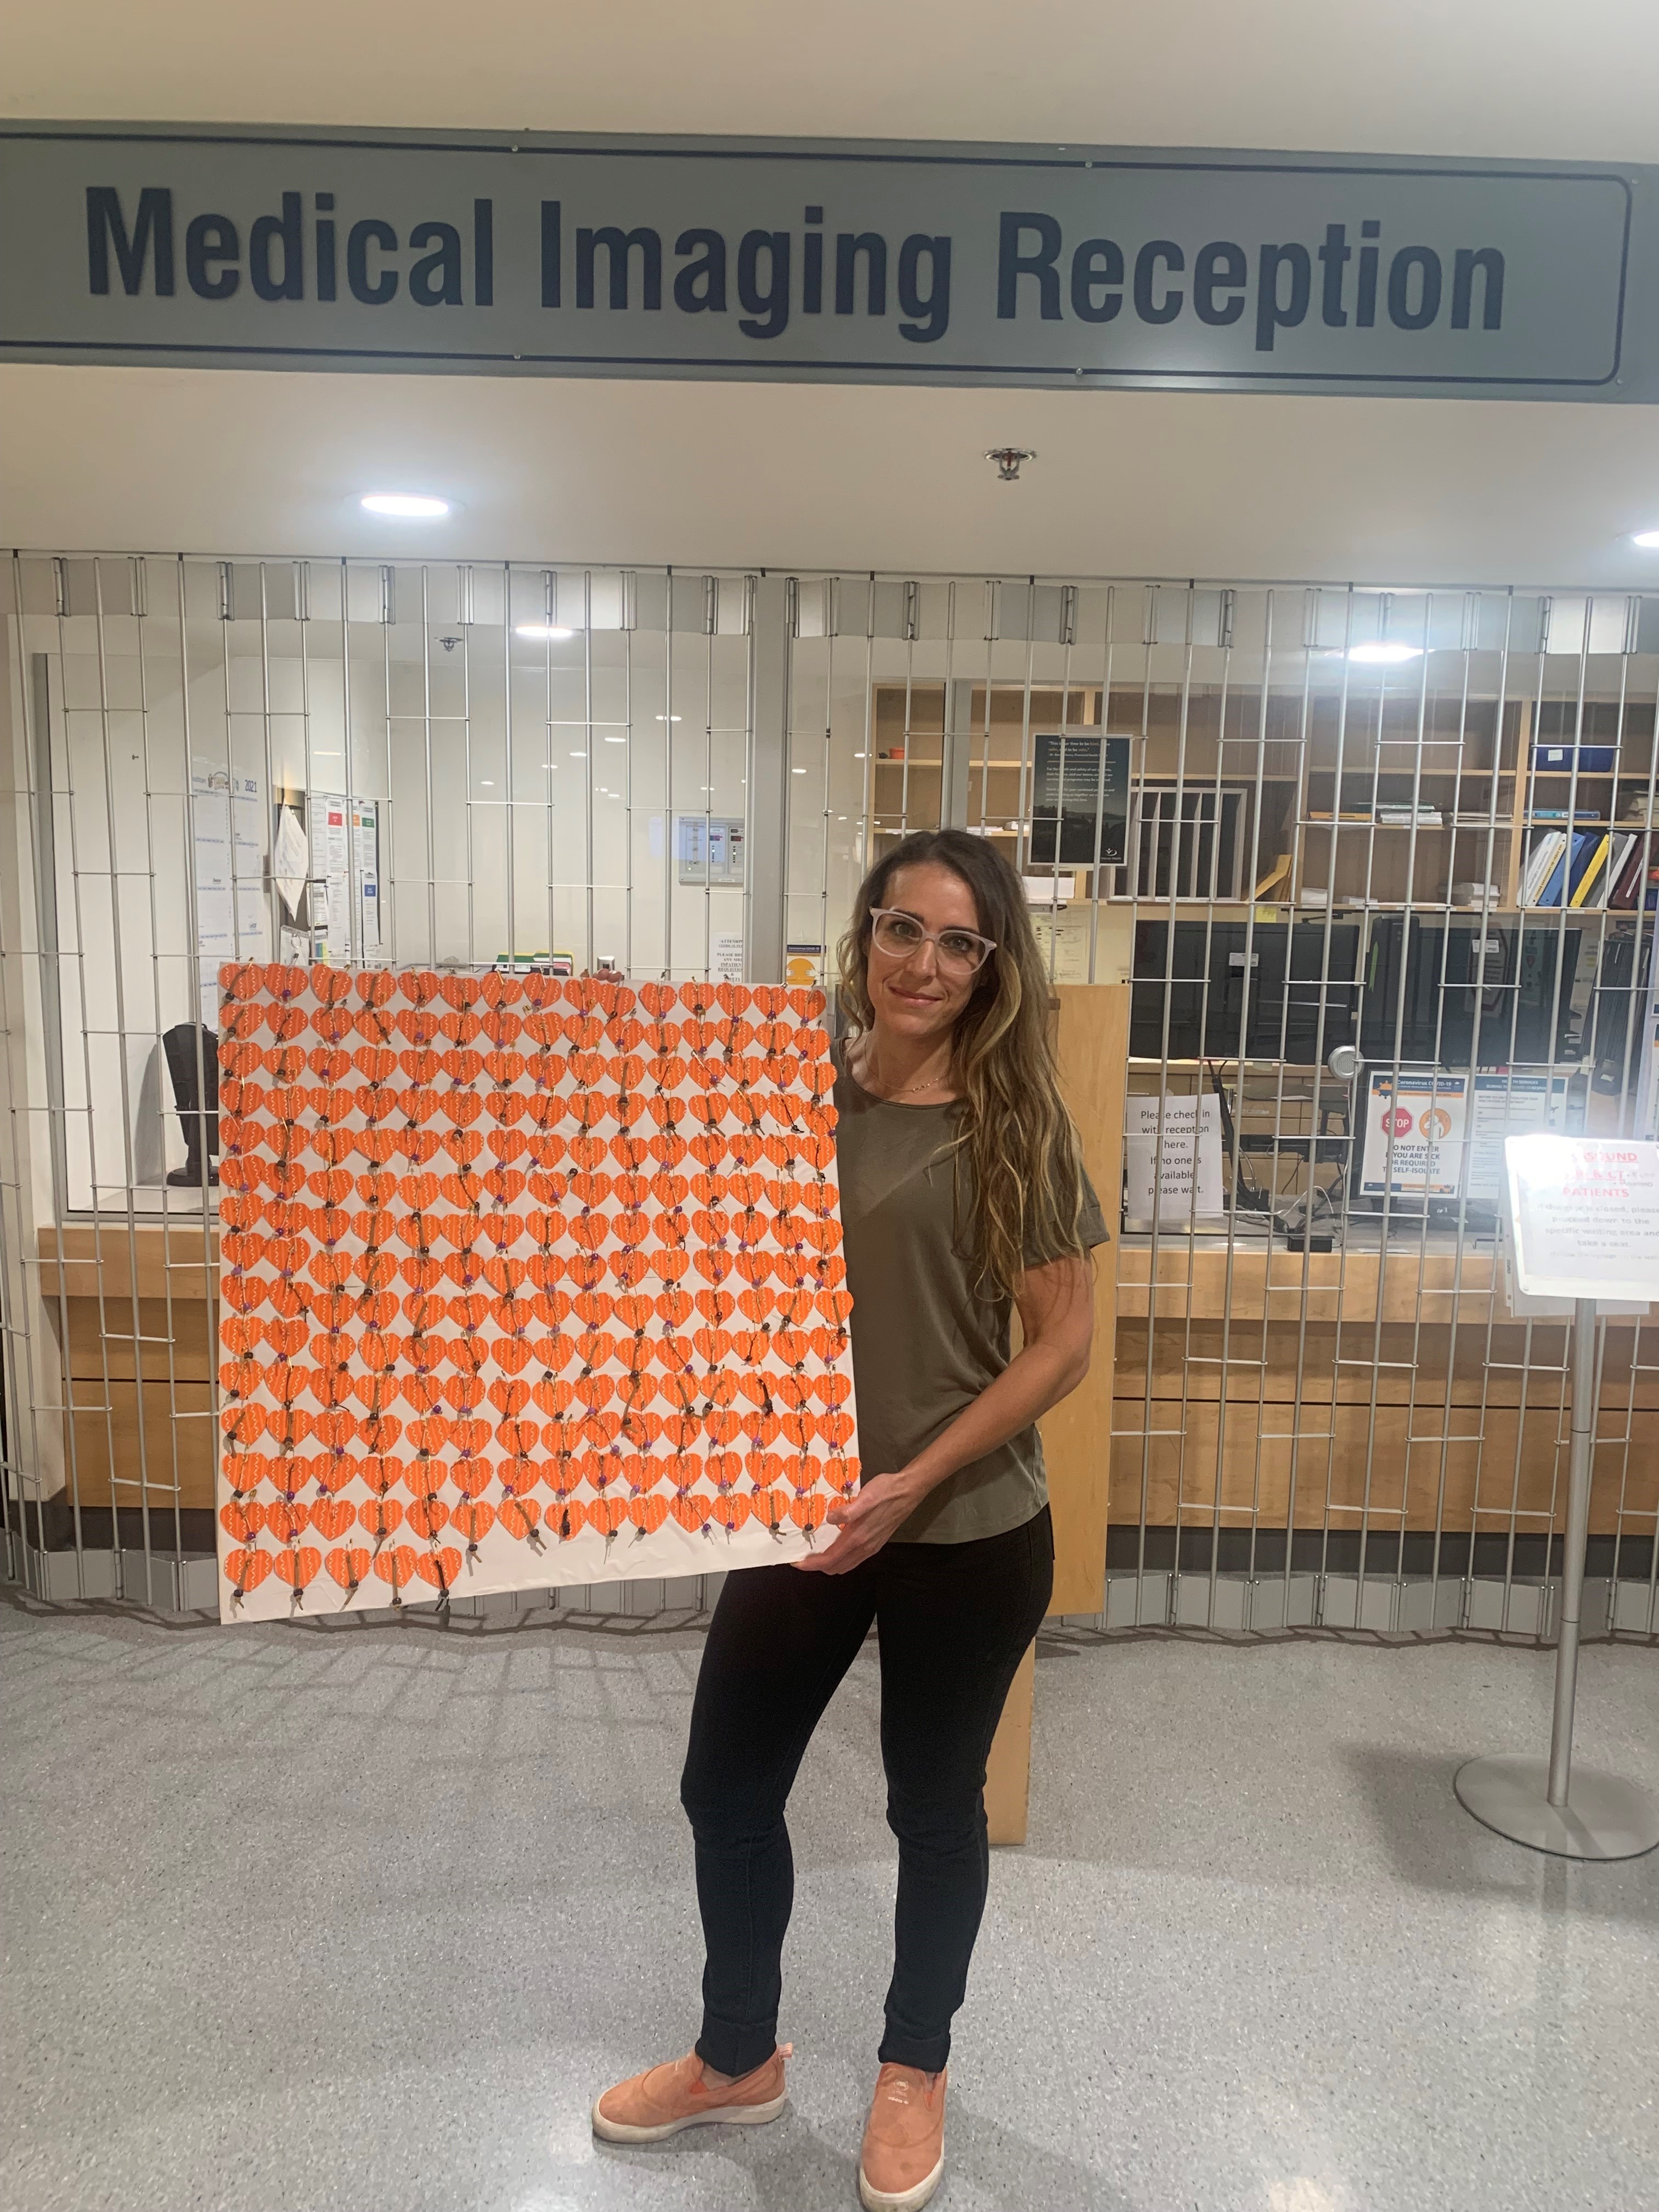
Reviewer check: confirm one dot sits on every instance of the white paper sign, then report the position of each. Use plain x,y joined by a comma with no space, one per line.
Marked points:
226,832
1511,1105
366,862
1585,1216
1414,1129
1177,1200
290,860
1063,941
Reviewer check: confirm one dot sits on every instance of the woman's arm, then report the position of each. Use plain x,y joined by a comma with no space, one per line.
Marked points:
1056,1304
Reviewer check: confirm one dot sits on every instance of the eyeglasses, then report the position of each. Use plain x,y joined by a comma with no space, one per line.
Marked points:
962,952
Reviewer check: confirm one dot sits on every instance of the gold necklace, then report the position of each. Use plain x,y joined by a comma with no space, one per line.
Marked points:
938,1083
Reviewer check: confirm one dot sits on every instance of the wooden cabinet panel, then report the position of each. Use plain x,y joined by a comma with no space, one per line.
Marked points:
96,1335
1093,1041
1519,1461
178,1440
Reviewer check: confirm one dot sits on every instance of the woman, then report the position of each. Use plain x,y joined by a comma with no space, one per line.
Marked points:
962,1195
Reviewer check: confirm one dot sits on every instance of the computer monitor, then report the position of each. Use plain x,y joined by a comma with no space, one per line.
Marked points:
1277,991
1472,993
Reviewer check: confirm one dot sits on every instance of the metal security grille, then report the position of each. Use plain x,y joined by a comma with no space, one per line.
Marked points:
366,762
1294,821
1373,867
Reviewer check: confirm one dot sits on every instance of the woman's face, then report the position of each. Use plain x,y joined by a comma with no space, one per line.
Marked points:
910,994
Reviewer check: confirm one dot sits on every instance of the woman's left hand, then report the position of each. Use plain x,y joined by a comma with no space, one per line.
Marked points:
863,1524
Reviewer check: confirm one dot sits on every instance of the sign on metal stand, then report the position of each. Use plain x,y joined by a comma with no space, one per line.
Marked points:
1583,1221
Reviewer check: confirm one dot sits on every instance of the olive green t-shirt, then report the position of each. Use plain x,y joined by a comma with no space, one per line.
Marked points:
925,1342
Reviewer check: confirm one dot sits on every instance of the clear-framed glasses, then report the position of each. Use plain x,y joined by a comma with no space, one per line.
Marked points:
899,935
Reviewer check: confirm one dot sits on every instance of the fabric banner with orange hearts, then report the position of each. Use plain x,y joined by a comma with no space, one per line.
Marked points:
523,1282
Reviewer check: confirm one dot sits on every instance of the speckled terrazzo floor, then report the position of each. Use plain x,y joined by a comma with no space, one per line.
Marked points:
297,1920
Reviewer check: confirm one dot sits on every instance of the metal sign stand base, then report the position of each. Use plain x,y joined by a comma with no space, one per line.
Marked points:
1608,1818
1528,1800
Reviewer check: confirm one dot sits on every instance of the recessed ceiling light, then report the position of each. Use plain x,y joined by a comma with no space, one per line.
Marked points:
1381,653
574,755
488,784
678,718
1647,539
413,507
615,741
539,630
325,756
798,771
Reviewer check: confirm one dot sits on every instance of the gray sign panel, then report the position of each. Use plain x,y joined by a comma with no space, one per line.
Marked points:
927,264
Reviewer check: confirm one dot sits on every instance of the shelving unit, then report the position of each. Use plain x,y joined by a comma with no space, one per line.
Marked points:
1479,776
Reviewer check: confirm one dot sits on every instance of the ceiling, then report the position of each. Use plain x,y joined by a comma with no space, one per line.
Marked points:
818,475
1147,482
1473,77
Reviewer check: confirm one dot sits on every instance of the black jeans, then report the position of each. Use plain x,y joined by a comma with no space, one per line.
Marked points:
953,1622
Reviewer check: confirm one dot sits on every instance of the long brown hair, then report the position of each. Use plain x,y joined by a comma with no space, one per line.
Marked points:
1016,1137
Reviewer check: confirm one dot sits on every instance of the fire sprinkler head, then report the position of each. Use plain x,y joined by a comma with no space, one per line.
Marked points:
1008,459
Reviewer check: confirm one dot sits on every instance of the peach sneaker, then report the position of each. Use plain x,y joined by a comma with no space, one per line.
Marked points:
903,2152
666,2099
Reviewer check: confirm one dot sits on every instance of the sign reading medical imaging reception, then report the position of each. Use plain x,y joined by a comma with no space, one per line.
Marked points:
854,260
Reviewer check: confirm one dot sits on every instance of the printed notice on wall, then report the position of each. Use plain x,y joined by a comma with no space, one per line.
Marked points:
1585,1212
1187,1151
227,831
1415,1119
1510,1105
1062,937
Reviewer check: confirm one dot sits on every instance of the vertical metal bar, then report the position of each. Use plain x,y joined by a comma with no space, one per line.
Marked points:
32,745
627,633
88,1110
670,821
464,624
1572,1573
710,621
829,775
771,681
140,608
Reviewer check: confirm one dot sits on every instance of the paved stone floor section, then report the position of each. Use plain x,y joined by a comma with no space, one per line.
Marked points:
327,1916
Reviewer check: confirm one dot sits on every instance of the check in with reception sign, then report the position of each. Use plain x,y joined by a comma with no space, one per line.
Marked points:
852,260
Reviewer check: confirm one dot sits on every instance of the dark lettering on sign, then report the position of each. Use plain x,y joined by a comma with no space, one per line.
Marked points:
1423,263
1279,306
700,287
211,240
552,251
1219,276
374,293
1365,310
1339,278
1490,262
152,230
1013,261
618,247
435,282
767,312
1154,301
273,235
1334,256
870,246
929,311
811,278
1097,281
325,276
483,253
